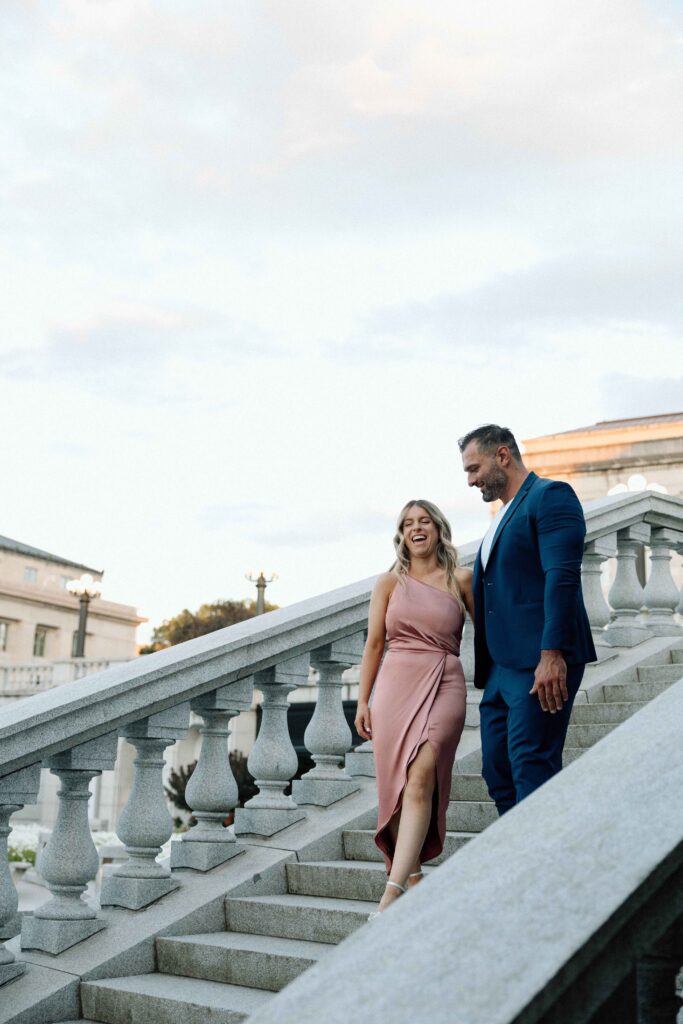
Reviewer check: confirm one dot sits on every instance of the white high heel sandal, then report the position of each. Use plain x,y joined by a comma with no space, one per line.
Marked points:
396,885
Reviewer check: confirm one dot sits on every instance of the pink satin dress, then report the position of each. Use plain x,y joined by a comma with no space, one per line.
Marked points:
419,697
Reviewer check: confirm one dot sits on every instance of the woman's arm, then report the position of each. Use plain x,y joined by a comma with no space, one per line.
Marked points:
464,578
373,651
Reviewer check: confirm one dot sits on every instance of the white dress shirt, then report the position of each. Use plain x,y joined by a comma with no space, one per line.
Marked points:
487,542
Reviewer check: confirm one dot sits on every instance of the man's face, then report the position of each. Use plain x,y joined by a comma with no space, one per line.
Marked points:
484,471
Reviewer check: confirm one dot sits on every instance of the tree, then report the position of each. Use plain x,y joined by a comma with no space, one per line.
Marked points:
187,625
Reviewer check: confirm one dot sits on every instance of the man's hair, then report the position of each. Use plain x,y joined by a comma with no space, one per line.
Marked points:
489,438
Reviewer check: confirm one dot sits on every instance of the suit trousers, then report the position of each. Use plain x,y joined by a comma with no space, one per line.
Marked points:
521,744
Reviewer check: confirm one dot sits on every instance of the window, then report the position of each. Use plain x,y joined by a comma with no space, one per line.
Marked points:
30,574
74,643
64,581
4,630
39,638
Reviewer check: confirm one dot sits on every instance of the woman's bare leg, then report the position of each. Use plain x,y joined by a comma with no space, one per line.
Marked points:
413,822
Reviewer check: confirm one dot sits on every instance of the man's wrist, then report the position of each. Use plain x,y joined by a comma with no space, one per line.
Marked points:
552,654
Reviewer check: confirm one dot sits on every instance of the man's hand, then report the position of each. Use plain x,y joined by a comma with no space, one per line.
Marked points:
550,681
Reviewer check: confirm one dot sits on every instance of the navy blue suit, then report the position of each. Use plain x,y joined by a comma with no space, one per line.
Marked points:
528,599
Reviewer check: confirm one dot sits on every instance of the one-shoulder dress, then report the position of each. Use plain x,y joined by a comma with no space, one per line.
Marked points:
419,698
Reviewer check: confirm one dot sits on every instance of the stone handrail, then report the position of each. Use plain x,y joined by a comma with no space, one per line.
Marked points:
74,730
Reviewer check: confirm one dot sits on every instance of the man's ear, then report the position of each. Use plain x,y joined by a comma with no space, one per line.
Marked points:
503,455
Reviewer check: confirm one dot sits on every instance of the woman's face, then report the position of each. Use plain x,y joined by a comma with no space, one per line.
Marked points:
420,532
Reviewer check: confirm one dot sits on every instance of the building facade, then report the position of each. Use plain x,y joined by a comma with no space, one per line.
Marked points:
39,616
614,455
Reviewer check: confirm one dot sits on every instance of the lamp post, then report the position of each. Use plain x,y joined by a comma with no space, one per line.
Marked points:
261,584
84,589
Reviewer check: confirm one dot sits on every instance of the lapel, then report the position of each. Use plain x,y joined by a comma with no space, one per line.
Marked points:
516,502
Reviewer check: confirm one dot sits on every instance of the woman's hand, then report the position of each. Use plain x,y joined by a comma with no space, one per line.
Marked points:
362,721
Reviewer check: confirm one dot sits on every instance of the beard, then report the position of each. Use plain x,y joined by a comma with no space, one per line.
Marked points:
494,484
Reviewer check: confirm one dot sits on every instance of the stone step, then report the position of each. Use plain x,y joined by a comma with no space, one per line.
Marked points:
470,815
359,844
312,918
659,673
677,655
360,762
570,754
259,961
160,998
587,735
644,691
468,787
342,879
598,714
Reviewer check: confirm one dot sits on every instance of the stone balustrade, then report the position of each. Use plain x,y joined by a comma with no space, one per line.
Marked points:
23,680
74,730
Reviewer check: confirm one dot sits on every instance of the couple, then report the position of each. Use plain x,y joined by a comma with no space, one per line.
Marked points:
532,640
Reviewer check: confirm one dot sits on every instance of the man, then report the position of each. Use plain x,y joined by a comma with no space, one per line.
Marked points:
532,638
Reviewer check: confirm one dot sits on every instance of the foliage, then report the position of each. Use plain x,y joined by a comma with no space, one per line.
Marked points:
186,624
19,854
178,780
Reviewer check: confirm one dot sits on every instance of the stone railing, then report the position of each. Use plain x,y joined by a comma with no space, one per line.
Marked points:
74,731
23,680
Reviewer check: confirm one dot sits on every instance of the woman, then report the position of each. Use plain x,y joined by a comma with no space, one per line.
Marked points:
418,710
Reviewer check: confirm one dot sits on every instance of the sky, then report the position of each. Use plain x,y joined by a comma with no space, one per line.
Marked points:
263,263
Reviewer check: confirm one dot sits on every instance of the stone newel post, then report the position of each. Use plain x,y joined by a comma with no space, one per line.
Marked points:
595,553
16,790
70,860
661,593
273,759
328,736
212,790
145,824
626,595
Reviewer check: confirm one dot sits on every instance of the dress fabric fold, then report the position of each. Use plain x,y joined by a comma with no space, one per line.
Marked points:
419,698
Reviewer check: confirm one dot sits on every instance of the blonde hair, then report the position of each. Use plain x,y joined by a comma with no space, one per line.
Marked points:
446,554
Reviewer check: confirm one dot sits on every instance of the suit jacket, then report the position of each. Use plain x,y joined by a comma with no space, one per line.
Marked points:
529,597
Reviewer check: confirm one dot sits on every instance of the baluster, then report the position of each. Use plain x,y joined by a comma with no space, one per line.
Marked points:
626,596
70,860
145,824
327,735
273,759
16,790
212,790
661,593
595,553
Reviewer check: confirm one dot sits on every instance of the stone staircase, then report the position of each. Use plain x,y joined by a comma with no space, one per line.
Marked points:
225,977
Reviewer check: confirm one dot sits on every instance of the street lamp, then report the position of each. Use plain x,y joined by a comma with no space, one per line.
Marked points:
84,589
261,584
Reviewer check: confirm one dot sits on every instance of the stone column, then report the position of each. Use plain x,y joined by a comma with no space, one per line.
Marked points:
327,735
145,824
212,790
70,860
626,596
273,759
661,593
595,553
16,790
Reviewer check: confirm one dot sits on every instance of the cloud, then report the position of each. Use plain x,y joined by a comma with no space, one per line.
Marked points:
624,395
587,290
127,353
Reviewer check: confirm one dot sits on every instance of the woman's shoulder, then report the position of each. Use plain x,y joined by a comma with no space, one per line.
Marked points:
385,583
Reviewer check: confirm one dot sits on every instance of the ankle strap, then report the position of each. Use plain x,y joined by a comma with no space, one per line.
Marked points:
397,885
